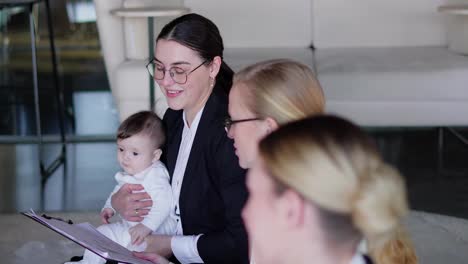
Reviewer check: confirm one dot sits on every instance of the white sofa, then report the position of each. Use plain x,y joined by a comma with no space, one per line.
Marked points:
381,63
385,63
397,86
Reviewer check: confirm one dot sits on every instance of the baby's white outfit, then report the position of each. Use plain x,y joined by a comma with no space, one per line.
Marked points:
155,180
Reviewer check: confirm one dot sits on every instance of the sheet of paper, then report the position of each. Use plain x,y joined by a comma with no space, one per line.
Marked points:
89,237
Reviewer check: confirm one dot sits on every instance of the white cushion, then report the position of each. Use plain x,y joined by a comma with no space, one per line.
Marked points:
415,86
238,58
457,35
259,23
367,23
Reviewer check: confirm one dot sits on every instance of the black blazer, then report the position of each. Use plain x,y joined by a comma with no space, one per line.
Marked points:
213,190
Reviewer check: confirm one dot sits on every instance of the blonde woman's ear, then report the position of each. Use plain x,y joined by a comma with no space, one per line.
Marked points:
272,125
293,209
157,155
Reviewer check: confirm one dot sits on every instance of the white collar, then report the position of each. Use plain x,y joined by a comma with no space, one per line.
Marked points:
140,175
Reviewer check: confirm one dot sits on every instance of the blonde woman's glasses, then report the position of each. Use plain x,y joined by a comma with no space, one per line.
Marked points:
228,122
178,75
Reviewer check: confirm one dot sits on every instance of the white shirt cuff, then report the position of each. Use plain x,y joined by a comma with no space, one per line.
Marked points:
185,249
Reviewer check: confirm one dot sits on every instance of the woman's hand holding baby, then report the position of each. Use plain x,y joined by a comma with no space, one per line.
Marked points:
131,204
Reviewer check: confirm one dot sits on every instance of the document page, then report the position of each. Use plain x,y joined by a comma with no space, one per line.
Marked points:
89,237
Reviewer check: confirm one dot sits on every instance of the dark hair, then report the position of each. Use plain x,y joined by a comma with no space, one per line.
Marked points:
145,122
201,35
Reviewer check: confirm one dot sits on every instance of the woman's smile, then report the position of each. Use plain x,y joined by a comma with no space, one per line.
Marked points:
173,93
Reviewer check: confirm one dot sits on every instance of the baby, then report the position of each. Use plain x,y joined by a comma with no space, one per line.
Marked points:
139,140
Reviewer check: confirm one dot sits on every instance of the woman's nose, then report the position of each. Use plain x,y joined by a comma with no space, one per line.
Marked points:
167,80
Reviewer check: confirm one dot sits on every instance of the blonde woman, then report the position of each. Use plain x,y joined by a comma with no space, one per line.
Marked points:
317,189
266,95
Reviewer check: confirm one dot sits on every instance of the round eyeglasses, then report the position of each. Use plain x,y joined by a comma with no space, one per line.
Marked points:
178,75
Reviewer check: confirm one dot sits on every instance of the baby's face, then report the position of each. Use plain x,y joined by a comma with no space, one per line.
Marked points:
135,153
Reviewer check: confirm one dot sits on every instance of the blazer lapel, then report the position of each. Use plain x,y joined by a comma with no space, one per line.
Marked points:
173,144
196,156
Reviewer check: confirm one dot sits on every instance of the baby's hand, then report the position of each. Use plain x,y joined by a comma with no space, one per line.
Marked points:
106,214
138,233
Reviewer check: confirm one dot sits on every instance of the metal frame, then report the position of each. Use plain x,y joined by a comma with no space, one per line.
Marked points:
45,171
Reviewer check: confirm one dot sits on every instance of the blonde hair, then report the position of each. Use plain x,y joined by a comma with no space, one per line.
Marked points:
282,89
335,165
397,249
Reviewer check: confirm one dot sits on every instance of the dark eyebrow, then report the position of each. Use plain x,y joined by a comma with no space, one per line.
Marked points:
177,63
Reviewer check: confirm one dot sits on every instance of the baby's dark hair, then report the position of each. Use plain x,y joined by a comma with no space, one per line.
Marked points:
145,122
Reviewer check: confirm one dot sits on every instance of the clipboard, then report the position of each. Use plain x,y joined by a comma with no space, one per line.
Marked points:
87,236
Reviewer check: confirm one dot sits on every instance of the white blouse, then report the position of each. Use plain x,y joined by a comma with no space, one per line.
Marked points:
184,247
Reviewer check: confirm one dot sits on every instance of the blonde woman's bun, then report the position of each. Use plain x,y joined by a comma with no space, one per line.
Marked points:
381,203
398,249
